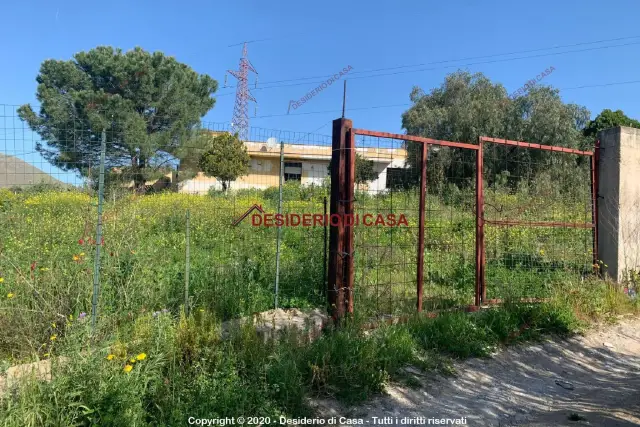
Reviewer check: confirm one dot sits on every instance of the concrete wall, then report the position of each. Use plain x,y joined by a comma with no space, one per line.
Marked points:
263,173
619,200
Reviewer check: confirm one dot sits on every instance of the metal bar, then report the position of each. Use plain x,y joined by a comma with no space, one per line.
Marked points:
279,232
540,223
595,176
187,267
96,264
324,254
348,210
344,97
335,282
480,292
421,221
536,146
412,138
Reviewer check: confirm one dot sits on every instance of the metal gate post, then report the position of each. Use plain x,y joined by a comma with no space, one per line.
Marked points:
421,220
349,191
595,160
341,203
481,292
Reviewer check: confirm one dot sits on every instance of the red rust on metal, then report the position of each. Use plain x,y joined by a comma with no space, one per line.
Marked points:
536,146
349,197
335,282
480,292
421,220
413,138
540,223
595,163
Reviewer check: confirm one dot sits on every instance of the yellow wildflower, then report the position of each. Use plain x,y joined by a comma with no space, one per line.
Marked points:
81,253
132,360
111,357
46,355
10,295
53,337
141,356
127,368
1,279
541,251
71,317
76,258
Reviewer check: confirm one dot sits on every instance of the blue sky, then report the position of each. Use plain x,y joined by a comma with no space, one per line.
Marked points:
307,39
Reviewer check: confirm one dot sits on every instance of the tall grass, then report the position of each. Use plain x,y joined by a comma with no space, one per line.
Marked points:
47,254
188,370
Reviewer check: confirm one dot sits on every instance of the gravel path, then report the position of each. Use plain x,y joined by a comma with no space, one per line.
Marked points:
593,378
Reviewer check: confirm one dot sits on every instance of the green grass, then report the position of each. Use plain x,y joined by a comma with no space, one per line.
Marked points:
190,370
47,256
46,266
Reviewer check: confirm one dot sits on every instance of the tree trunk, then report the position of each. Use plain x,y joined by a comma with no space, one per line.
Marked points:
138,164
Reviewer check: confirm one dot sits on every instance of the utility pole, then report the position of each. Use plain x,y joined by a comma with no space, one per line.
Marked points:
240,121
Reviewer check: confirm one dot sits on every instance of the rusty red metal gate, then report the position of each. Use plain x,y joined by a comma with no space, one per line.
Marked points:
549,234
384,268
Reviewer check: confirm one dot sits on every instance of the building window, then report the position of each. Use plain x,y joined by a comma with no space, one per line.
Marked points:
292,171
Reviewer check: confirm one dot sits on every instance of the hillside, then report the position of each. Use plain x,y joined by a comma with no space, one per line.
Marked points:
16,172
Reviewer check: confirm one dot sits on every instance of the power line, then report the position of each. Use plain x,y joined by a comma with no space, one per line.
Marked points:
313,131
450,66
460,59
409,104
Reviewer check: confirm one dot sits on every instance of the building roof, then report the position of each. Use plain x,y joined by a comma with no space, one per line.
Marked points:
321,152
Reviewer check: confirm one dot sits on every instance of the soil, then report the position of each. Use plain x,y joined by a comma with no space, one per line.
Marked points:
588,380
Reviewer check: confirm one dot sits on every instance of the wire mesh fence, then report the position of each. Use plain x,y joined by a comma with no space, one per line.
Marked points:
49,194
174,233
494,221
539,217
387,253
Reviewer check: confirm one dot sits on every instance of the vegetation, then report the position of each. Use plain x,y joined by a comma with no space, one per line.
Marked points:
365,171
147,102
468,106
148,363
608,119
160,368
225,158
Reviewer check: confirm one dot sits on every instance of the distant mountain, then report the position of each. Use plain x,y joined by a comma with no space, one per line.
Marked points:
15,172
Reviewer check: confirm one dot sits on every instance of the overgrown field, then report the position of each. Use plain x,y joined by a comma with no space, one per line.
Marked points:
47,255
162,369
149,364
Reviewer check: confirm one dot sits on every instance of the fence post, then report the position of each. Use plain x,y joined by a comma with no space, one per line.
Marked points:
324,254
481,292
595,158
187,264
341,203
350,196
279,232
96,264
421,220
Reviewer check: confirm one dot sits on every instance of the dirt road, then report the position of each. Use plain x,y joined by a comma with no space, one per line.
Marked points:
592,379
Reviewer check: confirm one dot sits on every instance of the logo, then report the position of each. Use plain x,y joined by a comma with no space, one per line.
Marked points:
255,207
263,219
